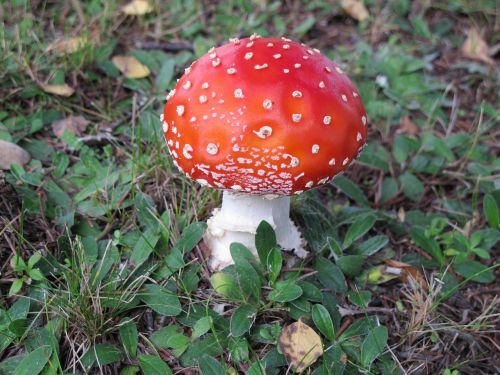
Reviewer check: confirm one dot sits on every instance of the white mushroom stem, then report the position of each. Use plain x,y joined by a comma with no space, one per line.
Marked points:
237,221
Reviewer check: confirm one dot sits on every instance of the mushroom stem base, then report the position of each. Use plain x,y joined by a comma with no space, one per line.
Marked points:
237,221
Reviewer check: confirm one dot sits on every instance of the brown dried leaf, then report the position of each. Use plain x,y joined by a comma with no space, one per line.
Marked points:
130,67
476,48
137,8
70,45
300,345
355,8
10,153
74,124
407,126
401,214
62,90
406,271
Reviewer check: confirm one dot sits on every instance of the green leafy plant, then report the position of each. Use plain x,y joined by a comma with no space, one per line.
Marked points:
26,270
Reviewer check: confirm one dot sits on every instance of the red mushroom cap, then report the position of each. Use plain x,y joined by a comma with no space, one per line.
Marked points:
264,116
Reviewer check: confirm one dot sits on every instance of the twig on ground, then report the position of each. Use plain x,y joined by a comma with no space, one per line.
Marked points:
346,311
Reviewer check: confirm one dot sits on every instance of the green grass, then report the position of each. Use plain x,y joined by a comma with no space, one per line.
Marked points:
101,265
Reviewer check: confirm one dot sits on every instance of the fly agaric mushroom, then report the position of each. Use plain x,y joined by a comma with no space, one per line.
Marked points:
262,119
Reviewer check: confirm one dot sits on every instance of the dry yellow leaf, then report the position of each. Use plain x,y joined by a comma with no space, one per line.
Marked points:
70,45
130,67
137,8
355,8
63,90
476,48
10,153
300,345
73,124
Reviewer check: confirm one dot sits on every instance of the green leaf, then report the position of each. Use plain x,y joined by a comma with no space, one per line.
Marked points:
490,209
374,154
129,336
34,259
373,345
170,337
242,319
322,319
350,189
8,366
481,253
285,291
330,276
202,326
412,187
372,245
333,362
212,345
402,146
311,291
104,354
304,26
241,254
165,75
390,189
475,271
248,279
273,263
190,237
273,358
421,27
19,326
350,264
129,370
16,286
17,263
18,311
144,246
161,300
265,240
430,245
226,285
34,362
90,250
35,274
358,229
238,350
210,366
60,163
360,298
256,369
153,365
334,246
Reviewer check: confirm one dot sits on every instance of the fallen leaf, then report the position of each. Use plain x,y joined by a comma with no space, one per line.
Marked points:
63,90
476,48
379,275
137,8
355,8
10,153
401,214
405,271
74,124
300,345
130,67
70,45
407,126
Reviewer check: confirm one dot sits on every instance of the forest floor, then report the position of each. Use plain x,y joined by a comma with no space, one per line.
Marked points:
102,264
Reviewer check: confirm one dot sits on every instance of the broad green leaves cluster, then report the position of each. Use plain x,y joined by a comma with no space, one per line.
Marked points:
256,286
103,231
